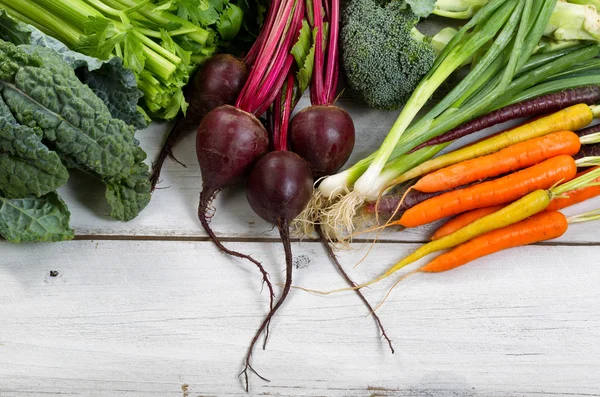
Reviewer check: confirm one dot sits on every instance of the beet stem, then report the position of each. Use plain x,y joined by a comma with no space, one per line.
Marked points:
167,150
205,200
284,232
351,283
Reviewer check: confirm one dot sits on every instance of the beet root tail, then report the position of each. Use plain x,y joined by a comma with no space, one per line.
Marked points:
352,284
205,200
180,126
284,232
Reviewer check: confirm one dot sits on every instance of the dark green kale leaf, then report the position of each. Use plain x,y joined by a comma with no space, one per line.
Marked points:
41,91
27,166
32,219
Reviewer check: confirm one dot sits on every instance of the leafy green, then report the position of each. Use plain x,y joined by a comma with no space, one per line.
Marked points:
304,54
110,80
230,22
35,219
46,105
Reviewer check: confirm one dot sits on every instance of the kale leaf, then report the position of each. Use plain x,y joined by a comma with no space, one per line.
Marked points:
34,219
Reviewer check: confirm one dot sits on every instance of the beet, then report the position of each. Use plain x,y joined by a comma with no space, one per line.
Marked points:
218,82
279,188
229,142
324,136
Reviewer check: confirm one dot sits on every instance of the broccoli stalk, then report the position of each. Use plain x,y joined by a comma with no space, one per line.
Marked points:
458,9
572,21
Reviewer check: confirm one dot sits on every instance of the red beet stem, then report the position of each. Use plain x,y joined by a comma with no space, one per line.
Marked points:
283,109
206,197
273,58
332,70
284,232
264,32
549,103
352,284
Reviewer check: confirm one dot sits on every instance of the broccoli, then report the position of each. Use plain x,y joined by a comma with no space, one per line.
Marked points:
383,54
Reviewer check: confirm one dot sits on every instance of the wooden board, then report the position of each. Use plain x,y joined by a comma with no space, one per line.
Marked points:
138,318
172,212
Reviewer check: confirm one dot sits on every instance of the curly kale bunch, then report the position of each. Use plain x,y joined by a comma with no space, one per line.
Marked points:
49,122
383,54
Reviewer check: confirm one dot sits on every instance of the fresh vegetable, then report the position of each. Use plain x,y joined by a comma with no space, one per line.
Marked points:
458,9
576,196
34,219
549,103
323,134
278,189
398,203
515,157
463,220
44,106
162,42
218,82
539,227
566,200
502,190
569,119
383,54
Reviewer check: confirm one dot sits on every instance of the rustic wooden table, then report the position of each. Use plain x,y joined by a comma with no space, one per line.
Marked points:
150,308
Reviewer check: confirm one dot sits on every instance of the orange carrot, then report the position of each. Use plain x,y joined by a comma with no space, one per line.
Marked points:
498,191
540,227
515,157
464,219
568,199
575,196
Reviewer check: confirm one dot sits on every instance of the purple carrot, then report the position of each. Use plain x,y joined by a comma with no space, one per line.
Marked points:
549,103
589,130
388,204
588,151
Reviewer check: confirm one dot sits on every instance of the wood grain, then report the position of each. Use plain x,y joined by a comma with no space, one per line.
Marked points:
123,318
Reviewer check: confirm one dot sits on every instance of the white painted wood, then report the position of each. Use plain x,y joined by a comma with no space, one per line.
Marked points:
174,319
173,210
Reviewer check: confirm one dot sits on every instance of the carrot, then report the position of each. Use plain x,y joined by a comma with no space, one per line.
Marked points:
587,151
565,200
575,196
529,205
515,157
545,104
463,220
540,227
569,119
589,130
498,191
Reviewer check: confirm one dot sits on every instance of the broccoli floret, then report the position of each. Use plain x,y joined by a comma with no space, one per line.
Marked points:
383,54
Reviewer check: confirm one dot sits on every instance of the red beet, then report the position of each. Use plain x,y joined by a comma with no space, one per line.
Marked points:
278,189
324,136
229,142
219,82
